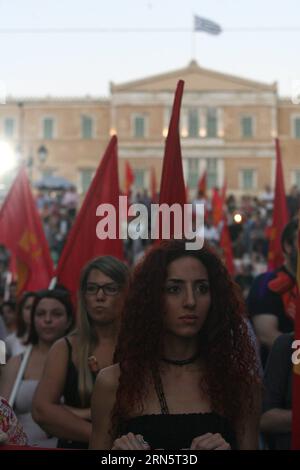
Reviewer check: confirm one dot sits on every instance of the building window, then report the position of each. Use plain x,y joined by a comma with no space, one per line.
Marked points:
211,123
86,127
9,128
139,126
297,178
192,172
48,128
139,179
247,126
212,176
297,128
193,123
86,177
248,179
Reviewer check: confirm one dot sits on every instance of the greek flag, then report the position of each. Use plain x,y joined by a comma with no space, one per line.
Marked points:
202,24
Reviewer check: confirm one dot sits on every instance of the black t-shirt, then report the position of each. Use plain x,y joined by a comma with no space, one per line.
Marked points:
278,386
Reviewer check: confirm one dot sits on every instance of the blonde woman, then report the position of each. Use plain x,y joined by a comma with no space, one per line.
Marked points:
74,362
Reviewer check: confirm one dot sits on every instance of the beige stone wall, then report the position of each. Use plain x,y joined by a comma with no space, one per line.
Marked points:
262,122
290,146
69,153
233,166
154,119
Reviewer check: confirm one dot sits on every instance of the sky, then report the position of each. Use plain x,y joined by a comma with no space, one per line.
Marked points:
65,64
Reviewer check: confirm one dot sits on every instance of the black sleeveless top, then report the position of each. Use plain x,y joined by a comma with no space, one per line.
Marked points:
72,398
70,392
176,431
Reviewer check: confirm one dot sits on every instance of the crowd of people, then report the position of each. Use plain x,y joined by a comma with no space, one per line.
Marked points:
57,210
159,346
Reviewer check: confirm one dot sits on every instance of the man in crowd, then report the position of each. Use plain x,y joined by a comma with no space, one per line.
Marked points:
272,297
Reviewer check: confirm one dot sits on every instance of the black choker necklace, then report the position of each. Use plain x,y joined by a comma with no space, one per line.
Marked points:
181,362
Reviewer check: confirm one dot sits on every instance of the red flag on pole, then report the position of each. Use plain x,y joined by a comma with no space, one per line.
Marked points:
202,183
21,231
217,202
225,239
82,243
225,243
129,178
296,368
280,215
172,187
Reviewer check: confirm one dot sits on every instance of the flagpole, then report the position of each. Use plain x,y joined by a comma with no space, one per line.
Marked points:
52,283
193,43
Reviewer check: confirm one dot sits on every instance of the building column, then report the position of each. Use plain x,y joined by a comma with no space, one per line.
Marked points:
185,167
220,123
202,166
184,126
274,127
203,125
220,172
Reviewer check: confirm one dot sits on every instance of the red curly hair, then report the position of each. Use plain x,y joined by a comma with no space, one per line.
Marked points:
224,341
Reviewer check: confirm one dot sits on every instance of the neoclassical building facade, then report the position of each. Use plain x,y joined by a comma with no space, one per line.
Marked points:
228,125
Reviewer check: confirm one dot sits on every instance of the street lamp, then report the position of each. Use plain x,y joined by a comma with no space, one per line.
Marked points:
42,153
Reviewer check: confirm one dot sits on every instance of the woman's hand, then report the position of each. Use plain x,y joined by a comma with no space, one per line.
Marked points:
130,442
210,441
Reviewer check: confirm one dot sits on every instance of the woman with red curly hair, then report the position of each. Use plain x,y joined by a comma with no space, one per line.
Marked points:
187,374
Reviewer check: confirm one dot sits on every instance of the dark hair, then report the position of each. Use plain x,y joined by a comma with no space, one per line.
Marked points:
21,325
63,297
288,233
224,342
9,303
108,265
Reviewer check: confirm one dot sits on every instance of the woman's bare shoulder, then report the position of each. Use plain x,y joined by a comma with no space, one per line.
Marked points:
109,377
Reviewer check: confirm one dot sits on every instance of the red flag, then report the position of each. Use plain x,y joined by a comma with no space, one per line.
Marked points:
217,202
280,215
226,245
172,187
225,239
129,178
153,185
202,183
82,243
21,231
296,368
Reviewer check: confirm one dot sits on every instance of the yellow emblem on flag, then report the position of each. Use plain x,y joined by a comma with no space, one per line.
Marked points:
29,243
